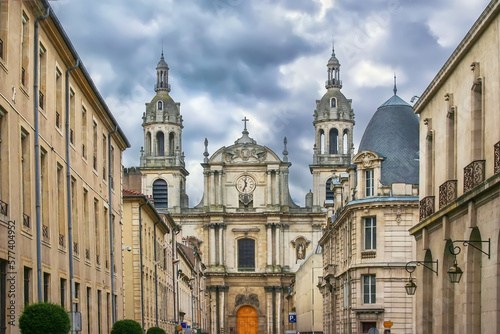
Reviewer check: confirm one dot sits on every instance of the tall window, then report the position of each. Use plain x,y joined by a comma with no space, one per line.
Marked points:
77,296
63,291
42,77
104,160
59,98
97,231
330,196
369,191
160,105
60,206
27,285
94,138
345,142
333,102
99,311
72,116
160,193
3,294
25,176
112,166
148,143
24,49
246,254
369,289
3,163
84,132
334,140
89,311
86,217
74,217
370,233
3,28
44,190
160,141
321,141
171,143
106,237
46,287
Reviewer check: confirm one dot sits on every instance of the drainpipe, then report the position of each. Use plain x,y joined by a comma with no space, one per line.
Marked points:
156,274
175,278
111,229
37,161
142,268
68,203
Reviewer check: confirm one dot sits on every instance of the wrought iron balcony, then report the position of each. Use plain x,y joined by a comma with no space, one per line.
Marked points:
496,148
45,231
87,254
447,192
3,208
473,174
26,221
41,99
426,207
75,247
62,240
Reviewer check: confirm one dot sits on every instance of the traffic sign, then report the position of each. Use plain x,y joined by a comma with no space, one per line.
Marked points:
388,324
292,317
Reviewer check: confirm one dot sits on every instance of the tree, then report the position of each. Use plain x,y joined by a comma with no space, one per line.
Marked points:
156,330
43,318
126,326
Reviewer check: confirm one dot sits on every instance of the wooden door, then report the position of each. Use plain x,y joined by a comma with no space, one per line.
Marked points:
247,321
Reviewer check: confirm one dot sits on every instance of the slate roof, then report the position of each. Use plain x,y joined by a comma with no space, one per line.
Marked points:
393,133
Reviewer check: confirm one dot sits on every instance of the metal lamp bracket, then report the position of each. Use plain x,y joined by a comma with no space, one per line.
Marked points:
455,250
410,268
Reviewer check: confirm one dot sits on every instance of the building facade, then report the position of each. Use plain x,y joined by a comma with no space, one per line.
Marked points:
460,187
148,239
366,244
60,176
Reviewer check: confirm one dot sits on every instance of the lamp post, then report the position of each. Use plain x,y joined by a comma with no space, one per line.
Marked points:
455,272
411,287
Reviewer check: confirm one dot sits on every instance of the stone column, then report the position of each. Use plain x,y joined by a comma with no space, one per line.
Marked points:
221,189
277,244
269,245
212,244
212,187
279,308
277,188
206,173
269,308
221,242
269,188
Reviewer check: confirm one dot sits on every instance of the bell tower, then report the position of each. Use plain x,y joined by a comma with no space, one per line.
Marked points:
162,159
333,127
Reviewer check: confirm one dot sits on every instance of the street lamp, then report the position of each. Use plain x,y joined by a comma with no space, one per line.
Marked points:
411,286
455,271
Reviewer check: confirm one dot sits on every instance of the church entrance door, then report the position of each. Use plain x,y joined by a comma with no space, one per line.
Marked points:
247,321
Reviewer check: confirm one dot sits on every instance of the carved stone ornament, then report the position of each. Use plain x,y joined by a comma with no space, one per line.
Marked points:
366,159
258,154
252,299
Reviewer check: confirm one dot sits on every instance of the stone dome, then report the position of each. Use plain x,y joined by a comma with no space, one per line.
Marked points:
393,132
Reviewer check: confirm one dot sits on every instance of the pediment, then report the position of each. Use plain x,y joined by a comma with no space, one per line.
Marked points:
367,159
245,153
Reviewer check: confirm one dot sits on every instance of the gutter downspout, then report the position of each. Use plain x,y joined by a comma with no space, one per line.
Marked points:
156,273
111,229
68,203
142,268
37,161
175,278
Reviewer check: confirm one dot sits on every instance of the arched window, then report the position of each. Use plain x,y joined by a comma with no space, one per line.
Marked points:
160,139
246,254
160,193
333,102
321,141
334,137
329,192
160,105
148,143
171,144
345,146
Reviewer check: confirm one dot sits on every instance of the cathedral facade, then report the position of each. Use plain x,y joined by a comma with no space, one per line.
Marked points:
252,235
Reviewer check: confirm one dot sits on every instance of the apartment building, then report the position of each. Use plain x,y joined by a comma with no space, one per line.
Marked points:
60,176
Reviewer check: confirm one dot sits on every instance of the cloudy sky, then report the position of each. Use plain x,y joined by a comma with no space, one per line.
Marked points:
264,59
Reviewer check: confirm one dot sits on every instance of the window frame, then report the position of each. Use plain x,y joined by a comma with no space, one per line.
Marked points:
369,288
370,233
242,265
369,183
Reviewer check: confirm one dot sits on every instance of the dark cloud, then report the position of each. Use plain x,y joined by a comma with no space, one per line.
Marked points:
262,59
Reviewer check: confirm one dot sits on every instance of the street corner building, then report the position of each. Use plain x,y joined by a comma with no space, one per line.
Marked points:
60,176
459,223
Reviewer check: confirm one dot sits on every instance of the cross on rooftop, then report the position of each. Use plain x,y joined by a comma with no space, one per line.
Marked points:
245,120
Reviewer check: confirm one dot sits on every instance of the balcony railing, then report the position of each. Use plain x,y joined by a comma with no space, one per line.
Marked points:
75,247
98,259
45,231
3,208
1,48
87,254
26,221
61,239
23,76
41,99
496,148
473,174
426,207
447,192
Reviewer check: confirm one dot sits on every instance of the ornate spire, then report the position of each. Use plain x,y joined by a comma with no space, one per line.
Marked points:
395,90
285,152
162,75
205,154
333,66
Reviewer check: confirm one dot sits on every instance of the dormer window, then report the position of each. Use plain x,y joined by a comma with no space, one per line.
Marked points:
369,190
160,105
333,102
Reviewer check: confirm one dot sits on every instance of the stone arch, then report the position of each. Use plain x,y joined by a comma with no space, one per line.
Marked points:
148,143
300,243
321,141
160,193
160,142
345,142
171,143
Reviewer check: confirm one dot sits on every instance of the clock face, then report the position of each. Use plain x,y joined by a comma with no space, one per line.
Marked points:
245,184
